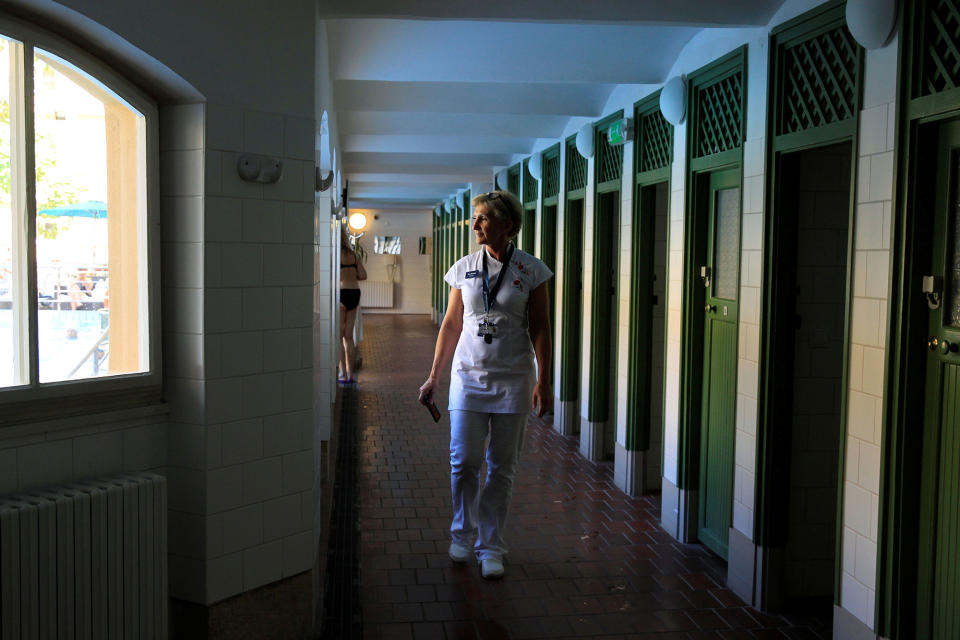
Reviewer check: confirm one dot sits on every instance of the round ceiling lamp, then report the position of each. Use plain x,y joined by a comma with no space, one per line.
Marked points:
357,221
501,179
585,140
872,22
673,100
535,166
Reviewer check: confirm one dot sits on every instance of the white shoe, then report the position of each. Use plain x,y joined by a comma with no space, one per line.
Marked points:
491,568
459,553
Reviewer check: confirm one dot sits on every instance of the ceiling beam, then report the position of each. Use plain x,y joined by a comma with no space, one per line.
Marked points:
697,12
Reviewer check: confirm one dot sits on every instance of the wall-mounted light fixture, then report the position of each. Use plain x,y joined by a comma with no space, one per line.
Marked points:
585,140
501,179
357,222
673,100
535,166
872,22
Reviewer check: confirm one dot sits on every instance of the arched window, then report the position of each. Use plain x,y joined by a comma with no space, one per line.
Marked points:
77,185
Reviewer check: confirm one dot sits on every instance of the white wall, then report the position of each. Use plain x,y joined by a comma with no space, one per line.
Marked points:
868,333
238,285
411,292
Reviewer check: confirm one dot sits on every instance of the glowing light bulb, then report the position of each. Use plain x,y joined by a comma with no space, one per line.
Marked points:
357,221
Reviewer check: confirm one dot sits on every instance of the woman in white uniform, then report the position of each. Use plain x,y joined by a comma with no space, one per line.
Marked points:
497,331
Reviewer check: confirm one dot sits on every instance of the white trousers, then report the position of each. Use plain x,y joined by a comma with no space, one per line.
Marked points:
482,512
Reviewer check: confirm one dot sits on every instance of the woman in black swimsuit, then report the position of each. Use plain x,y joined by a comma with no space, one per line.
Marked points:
351,272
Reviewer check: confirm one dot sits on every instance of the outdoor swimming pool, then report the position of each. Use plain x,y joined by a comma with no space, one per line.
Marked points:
65,337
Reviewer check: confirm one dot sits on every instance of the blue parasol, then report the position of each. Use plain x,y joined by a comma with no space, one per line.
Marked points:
89,209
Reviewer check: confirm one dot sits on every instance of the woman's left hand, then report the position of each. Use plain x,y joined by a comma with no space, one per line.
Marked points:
542,397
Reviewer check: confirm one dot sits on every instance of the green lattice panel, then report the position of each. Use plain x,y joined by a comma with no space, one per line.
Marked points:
551,176
576,168
655,148
819,81
529,185
939,54
719,115
609,160
513,180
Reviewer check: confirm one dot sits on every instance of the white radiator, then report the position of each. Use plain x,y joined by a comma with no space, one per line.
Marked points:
87,560
376,293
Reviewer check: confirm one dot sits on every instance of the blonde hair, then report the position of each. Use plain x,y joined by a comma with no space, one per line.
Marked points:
345,240
504,206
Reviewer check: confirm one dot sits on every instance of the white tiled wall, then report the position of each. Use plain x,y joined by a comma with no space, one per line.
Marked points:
625,272
559,278
871,277
751,268
52,453
671,403
187,357
242,445
586,322
411,289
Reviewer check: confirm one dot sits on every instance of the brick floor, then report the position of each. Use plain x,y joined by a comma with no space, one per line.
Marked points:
585,560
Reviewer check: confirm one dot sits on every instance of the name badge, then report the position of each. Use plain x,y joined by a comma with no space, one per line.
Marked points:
473,274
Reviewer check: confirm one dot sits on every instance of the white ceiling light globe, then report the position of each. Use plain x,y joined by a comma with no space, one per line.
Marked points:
585,140
501,179
871,22
357,221
673,100
535,166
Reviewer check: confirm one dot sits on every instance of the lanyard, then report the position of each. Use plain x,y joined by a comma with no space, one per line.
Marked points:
490,295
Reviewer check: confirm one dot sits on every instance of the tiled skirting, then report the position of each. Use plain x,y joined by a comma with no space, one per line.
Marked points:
591,439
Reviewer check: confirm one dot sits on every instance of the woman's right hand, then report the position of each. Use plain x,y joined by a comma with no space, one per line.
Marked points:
427,389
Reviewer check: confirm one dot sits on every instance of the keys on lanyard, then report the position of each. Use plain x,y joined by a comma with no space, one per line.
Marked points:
487,329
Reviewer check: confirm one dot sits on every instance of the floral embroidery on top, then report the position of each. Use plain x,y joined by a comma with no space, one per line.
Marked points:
524,274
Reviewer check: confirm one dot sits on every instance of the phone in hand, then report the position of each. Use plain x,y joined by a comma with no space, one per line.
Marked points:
428,402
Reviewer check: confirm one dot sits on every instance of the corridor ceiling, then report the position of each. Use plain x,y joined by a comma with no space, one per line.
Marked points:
431,95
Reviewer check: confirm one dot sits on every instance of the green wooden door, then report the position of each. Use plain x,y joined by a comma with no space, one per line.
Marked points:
527,229
572,301
721,278
938,584
548,252
603,308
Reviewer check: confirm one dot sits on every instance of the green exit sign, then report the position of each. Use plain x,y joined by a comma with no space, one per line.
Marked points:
619,132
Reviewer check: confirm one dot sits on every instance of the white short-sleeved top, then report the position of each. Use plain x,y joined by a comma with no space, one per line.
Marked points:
496,377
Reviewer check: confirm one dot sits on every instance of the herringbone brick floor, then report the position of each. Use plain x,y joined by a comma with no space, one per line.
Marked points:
586,561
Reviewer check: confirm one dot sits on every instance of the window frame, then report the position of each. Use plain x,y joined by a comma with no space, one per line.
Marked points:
19,403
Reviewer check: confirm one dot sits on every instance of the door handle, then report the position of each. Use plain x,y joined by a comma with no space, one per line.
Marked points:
709,308
943,346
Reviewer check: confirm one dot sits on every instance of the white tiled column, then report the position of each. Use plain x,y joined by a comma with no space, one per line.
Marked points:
258,318
751,275
868,332
566,419
671,516
185,355
629,466
591,433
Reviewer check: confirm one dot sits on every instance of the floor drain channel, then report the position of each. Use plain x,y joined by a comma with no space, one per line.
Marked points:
343,618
